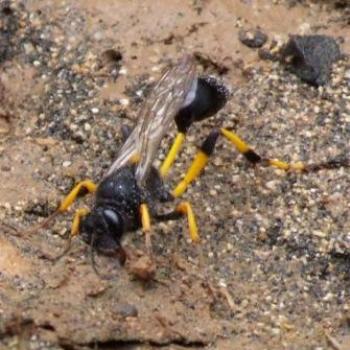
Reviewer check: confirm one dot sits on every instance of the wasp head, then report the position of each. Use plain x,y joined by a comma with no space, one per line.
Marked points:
103,229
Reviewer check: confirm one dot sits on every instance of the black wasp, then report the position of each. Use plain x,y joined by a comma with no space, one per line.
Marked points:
125,198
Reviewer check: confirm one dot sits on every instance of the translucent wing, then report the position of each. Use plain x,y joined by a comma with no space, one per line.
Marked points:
155,116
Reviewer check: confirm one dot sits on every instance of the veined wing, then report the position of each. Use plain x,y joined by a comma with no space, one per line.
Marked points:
155,117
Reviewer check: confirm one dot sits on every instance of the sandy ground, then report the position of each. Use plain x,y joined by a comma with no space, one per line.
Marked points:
272,270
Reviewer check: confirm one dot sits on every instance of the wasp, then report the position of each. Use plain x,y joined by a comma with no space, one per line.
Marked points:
125,200
127,196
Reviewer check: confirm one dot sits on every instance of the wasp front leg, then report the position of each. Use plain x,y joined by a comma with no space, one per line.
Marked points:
79,214
86,185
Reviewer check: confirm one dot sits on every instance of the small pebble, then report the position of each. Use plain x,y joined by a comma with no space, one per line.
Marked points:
123,71
253,38
124,101
87,127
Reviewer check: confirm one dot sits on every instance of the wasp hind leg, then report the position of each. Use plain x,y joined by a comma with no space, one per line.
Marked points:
207,148
206,97
198,164
254,158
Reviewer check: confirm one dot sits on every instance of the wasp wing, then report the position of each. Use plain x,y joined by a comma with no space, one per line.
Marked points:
164,103
131,147
155,116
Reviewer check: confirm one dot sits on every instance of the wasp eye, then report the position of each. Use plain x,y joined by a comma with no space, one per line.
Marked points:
113,220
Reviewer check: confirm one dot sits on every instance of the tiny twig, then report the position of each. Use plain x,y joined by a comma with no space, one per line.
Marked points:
333,342
228,297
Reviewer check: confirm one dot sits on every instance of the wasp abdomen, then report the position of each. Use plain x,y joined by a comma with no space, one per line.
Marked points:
209,97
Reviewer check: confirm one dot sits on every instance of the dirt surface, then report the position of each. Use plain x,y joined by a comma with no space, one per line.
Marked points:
272,270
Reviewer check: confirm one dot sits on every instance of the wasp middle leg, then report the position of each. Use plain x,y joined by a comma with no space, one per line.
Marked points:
183,208
146,226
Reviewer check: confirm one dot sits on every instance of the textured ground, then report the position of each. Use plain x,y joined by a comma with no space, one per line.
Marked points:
272,270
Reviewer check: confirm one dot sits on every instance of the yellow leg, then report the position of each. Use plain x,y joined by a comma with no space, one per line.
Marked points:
193,172
135,158
145,218
253,157
186,209
71,197
207,148
241,146
77,218
299,166
146,225
174,150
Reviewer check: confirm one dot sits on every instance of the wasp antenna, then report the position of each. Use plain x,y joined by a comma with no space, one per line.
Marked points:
65,250
92,255
93,261
42,224
15,230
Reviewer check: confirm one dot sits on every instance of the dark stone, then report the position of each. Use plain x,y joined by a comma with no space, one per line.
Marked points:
310,57
253,38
